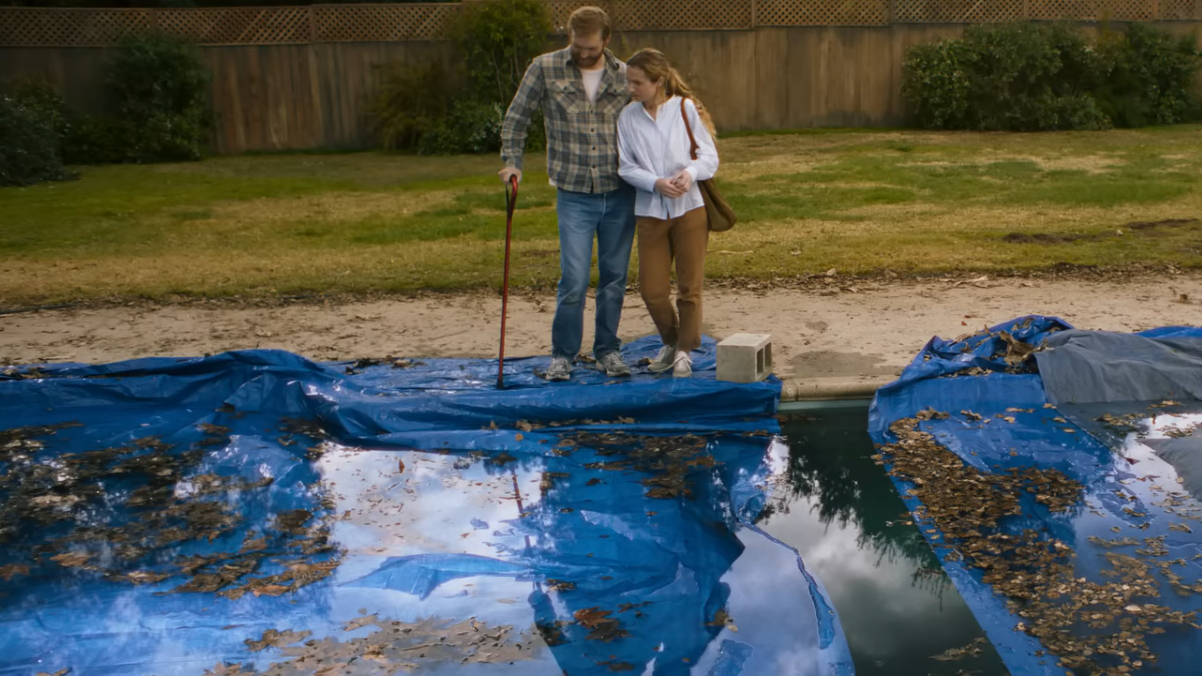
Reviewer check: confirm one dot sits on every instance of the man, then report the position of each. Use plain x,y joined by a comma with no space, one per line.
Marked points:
581,90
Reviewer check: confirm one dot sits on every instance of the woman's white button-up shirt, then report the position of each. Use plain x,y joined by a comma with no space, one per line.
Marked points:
653,148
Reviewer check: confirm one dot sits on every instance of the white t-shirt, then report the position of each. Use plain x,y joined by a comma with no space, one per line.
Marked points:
592,82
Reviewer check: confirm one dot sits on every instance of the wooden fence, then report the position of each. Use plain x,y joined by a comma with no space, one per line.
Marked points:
302,77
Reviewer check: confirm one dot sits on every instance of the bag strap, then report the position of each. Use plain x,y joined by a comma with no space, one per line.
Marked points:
689,128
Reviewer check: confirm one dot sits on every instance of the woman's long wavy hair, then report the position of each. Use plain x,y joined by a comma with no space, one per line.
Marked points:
658,68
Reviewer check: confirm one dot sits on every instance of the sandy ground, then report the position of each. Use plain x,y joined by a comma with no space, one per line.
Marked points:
823,339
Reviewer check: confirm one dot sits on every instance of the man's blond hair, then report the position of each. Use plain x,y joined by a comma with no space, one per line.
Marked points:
589,21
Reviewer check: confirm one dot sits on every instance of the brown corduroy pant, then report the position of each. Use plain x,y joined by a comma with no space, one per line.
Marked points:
661,242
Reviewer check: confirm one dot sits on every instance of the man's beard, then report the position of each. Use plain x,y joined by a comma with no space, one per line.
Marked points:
586,62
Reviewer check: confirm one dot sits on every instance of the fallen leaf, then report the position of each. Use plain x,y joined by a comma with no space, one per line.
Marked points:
12,570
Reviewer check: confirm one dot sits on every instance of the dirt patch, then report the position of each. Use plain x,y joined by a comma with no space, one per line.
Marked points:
1143,227
1043,238
1166,223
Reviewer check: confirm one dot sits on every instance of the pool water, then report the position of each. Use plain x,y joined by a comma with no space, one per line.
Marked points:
840,510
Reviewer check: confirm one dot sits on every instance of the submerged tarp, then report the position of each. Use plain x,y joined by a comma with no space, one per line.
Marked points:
255,512
1112,561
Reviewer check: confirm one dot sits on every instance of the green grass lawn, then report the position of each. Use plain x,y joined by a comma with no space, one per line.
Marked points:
860,202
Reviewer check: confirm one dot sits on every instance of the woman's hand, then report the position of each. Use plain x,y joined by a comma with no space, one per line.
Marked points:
669,188
683,180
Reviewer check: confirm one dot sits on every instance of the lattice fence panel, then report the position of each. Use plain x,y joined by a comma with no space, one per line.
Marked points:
1092,10
957,11
822,12
377,23
1180,10
238,26
21,27
560,10
647,15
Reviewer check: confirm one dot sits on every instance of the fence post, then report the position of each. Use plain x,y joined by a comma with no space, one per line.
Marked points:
753,15
1026,10
312,24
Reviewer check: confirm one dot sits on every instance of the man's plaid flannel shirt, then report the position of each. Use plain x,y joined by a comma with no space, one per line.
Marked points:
582,137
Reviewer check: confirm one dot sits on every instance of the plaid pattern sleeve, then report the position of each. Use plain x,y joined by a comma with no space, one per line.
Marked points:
517,119
582,136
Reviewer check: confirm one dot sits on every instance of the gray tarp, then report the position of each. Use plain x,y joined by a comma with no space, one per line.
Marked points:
1082,367
1091,373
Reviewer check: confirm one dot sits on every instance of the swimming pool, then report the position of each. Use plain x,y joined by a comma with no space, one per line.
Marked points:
838,508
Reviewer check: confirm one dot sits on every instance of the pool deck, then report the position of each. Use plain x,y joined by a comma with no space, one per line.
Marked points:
824,389
841,341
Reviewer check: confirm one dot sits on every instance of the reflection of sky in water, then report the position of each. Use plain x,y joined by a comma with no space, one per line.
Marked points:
1143,498
429,508
688,557
846,519
456,505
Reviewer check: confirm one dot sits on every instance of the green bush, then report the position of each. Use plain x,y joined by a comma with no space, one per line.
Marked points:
1042,77
96,140
157,106
157,86
936,83
412,102
471,127
433,111
497,40
1148,77
41,97
32,120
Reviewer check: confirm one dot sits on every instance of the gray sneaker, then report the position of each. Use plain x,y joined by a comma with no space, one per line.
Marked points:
664,360
613,365
560,369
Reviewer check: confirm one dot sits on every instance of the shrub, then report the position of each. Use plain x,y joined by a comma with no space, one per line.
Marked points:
412,102
96,141
497,40
157,106
43,99
471,127
435,111
1009,77
31,122
1148,77
1034,77
157,84
936,83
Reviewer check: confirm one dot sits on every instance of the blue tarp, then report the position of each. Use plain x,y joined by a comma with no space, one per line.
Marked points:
256,512
999,419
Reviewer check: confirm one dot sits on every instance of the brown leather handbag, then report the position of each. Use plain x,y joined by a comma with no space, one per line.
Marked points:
717,211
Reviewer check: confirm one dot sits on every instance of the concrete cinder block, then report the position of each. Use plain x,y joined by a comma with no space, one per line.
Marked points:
745,358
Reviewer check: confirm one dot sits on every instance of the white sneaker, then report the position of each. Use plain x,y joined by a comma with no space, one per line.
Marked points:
664,360
682,366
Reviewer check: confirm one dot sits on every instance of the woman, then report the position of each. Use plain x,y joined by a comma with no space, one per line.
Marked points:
654,156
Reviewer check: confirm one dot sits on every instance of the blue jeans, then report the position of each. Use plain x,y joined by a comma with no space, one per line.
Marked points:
582,216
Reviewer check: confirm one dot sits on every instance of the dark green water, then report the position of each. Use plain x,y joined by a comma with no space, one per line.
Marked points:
896,605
